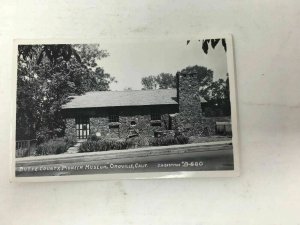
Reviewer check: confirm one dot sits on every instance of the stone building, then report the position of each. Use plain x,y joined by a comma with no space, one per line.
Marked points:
147,112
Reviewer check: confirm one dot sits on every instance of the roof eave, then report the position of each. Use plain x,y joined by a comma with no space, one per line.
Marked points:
90,107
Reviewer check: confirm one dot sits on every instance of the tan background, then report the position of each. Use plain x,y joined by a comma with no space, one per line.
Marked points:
266,38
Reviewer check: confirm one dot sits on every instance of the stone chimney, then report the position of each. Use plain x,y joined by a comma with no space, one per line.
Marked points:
188,95
189,119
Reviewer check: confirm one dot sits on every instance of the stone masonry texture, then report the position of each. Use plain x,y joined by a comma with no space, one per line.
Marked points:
189,120
136,118
70,127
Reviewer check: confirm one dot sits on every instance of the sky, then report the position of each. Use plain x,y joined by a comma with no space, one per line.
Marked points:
131,59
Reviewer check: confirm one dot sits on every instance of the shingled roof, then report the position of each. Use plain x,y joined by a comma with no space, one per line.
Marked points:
98,99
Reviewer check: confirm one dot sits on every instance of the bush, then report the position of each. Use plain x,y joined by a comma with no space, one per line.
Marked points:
96,144
182,139
50,148
89,146
42,136
71,140
105,145
53,147
139,141
167,140
93,137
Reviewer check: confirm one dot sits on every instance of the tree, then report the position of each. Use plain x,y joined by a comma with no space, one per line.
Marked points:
43,86
219,98
161,81
217,90
166,80
214,42
204,76
216,93
52,52
149,82
227,108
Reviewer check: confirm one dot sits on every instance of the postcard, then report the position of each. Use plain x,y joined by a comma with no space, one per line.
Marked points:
124,108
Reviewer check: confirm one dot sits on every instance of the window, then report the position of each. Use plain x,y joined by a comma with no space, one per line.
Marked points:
155,116
82,128
113,118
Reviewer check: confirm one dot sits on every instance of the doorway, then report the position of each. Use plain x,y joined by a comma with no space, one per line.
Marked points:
82,128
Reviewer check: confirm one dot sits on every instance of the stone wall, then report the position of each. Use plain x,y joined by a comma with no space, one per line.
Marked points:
135,118
122,129
206,126
70,130
99,125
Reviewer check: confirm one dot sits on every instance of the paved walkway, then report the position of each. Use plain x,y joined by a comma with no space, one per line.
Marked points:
74,149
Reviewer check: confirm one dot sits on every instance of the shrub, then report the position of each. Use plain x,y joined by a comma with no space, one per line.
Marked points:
93,137
89,146
105,145
42,136
51,147
57,146
182,139
96,144
70,140
138,141
167,140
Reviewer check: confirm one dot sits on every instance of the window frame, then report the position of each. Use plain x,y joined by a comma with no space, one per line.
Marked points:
113,118
83,127
155,116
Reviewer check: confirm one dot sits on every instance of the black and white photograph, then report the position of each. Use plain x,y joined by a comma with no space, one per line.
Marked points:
147,112
125,108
